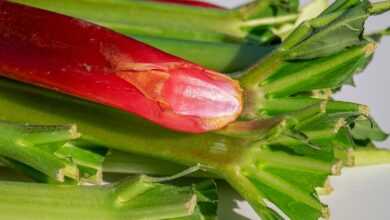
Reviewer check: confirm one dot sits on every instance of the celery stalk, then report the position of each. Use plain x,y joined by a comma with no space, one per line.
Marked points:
222,57
149,18
126,163
370,156
137,198
46,149
228,157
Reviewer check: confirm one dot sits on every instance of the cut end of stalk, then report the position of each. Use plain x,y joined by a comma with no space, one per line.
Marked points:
74,134
60,176
341,123
326,189
322,93
326,213
169,201
131,188
364,110
99,177
272,175
88,179
45,153
71,171
323,106
370,48
336,168
351,159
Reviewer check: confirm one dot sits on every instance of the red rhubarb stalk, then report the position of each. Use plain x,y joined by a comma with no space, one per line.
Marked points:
191,2
93,63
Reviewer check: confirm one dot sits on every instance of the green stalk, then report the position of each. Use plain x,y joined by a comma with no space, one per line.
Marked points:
228,157
276,86
88,162
17,143
137,198
46,149
370,156
380,7
126,163
315,39
315,72
121,162
222,57
94,124
311,59
271,20
147,18
28,173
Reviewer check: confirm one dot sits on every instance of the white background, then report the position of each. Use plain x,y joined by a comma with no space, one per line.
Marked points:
360,193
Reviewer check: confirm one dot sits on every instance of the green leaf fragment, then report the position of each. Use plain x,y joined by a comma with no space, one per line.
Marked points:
367,129
322,73
307,12
338,27
284,193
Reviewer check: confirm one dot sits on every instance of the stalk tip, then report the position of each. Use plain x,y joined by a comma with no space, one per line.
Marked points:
340,124
336,168
325,213
351,160
73,132
370,48
326,189
322,93
60,176
364,109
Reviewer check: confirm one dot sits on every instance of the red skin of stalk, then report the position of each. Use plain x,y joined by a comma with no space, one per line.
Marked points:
191,3
93,63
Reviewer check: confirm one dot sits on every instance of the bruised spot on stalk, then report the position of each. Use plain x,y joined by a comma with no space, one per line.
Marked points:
186,89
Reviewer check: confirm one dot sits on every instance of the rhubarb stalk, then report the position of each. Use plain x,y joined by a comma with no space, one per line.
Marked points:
219,56
91,62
